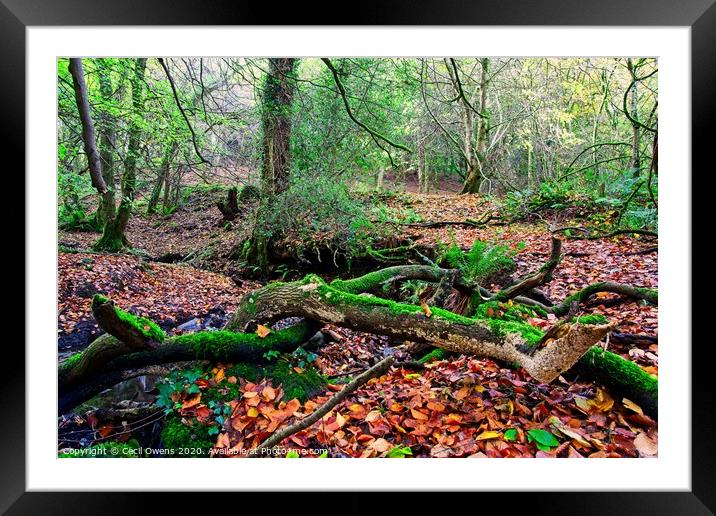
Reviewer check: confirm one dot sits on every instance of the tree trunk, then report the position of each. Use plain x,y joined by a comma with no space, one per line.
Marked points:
476,156
106,209
132,344
636,136
379,181
276,121
113,237
88,133
162,179
230,207
276,162
313,299
421,166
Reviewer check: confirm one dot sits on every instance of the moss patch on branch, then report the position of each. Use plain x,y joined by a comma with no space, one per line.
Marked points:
590,319
624,376
146,327
220,344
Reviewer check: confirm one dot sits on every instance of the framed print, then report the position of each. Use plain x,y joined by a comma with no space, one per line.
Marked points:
432,235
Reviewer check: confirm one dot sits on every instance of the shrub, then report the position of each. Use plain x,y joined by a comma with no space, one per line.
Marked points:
481,263
315,213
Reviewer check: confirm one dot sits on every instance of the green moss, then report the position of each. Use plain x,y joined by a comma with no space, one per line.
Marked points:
186,441
505,318
72,360
105,450
529,333
148,328
590,319
339,298
295,385
436,354
220,344
363,283
623,375
343,299
650,293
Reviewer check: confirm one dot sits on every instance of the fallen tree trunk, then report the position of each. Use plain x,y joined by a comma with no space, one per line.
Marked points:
622,376
313,299
642,293
111,359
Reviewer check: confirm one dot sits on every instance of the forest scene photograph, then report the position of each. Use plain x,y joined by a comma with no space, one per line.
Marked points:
390,257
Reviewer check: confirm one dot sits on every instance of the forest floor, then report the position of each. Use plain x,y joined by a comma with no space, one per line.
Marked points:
457,407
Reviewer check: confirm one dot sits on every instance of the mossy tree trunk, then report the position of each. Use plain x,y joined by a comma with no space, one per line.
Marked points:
276,122
276,108
133,344
113,236
313,299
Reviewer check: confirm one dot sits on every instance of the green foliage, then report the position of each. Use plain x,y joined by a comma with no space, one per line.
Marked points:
480,263
410,291
508,311
510,435
317,212
399,452
543,439
249,193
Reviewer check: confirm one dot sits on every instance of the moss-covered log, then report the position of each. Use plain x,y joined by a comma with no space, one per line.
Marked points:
647,294
622,376
313,299
383,278
619,374
111,359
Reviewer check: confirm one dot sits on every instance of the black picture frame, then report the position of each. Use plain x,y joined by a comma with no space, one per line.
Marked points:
700,15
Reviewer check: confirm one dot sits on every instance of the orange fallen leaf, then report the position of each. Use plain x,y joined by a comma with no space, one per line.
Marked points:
203,412
262,331
419,415
105,430
191,402
269,393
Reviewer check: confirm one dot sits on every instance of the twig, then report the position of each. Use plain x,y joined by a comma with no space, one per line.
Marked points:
377,370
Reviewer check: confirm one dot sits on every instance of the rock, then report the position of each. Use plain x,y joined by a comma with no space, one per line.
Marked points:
191,325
